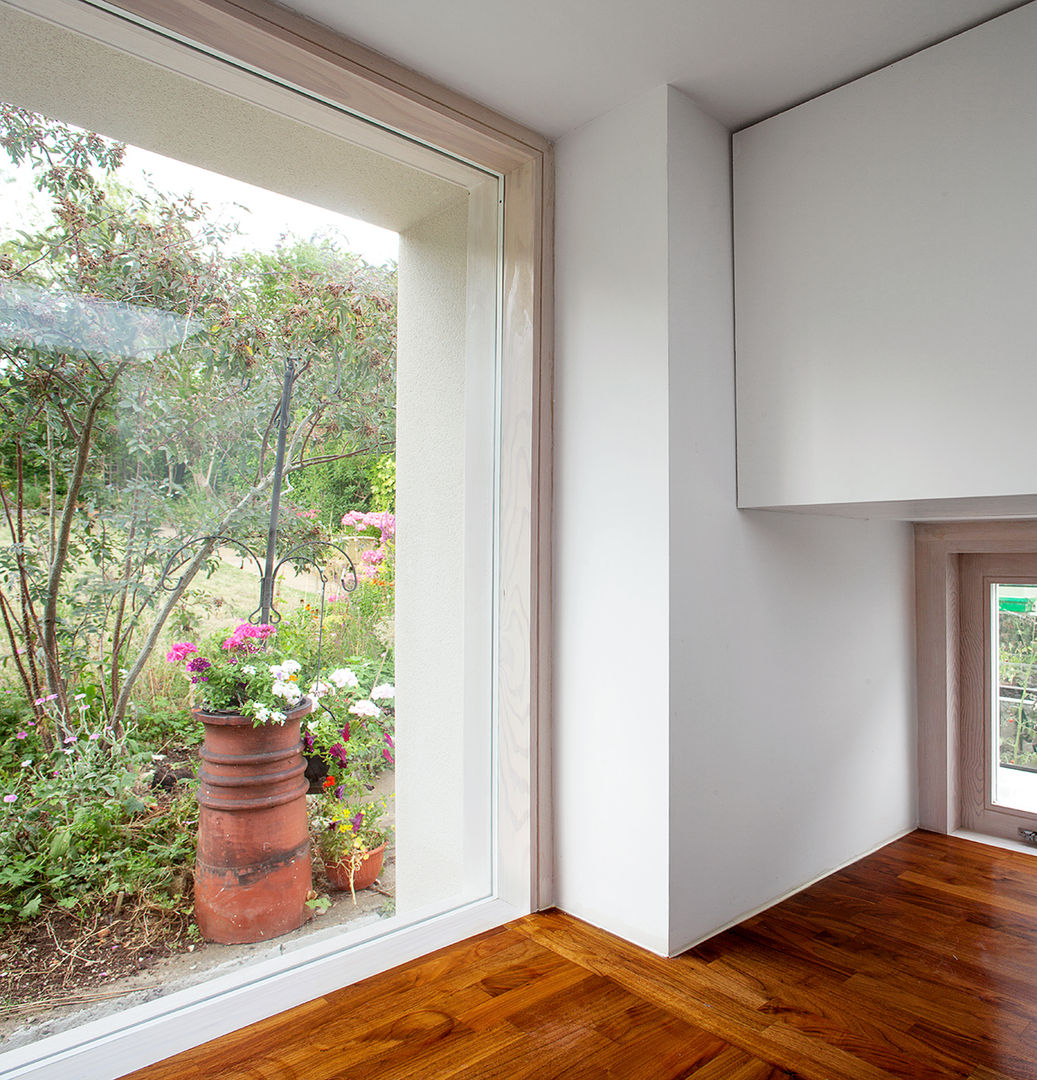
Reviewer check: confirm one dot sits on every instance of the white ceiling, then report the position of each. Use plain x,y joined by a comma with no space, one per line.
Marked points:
555,64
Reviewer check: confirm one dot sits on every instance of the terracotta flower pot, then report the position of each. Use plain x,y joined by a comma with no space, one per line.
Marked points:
365,871
252,871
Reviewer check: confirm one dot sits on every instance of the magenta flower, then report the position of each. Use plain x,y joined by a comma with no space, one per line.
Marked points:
338,752
198,663
388,757
180,651
21,735
249,638
345,732
388,739
357,820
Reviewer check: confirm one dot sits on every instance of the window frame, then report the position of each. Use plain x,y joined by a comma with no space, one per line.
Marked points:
303,55
939,548
977,573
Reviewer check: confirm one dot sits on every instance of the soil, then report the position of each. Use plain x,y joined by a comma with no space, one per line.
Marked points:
63,970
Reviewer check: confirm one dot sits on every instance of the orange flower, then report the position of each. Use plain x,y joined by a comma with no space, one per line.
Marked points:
329,782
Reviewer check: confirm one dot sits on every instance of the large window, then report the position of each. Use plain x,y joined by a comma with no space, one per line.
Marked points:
467,200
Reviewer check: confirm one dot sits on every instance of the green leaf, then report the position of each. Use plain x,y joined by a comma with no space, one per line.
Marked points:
60,842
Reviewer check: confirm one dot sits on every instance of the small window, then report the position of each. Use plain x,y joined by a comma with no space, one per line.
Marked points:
998,694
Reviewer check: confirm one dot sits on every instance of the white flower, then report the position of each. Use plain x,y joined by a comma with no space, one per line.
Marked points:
285,670
365,708
385,692
261,713
319,689
343,677
248,669
287,690
26,763
277,717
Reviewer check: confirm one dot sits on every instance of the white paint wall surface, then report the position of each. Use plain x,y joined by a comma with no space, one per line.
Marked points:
791,641
734,697
430,505
611,522
886,256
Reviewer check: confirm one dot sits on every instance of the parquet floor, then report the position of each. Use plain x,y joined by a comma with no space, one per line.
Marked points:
918,962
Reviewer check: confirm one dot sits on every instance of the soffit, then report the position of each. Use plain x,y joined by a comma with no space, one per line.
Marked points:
555,64
247,134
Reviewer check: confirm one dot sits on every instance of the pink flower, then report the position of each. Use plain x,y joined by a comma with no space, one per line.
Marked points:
388,757
11,798
180,651
21,735
249,638
382,520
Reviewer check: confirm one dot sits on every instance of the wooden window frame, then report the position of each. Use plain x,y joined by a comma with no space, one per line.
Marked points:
939,548
260,36
978,572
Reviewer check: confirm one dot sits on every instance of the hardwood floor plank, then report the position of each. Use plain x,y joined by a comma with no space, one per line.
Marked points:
975,894
734,1064
880,1038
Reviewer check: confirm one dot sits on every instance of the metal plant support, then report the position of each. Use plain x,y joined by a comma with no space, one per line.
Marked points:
252,867
307,553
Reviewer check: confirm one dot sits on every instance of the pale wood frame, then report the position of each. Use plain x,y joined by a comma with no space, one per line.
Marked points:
938,552
978,572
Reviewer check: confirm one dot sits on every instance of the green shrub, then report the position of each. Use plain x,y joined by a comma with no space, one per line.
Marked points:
80,824
334,488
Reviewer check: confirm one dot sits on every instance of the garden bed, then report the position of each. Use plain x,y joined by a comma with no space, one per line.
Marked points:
63,969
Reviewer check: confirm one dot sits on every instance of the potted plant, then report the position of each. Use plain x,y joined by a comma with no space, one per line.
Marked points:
252,870
352,835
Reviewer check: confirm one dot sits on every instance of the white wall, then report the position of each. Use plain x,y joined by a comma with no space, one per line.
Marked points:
430,504
886,255
611,522
734,687
791,640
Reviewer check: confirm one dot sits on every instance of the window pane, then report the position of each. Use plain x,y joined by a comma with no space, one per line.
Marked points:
140,275
1014,697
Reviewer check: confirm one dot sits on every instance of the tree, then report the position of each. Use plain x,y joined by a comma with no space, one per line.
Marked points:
140,371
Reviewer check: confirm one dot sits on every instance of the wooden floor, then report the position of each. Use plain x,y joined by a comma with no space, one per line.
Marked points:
919,961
